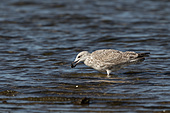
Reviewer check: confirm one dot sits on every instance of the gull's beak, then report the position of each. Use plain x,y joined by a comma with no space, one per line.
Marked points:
73,64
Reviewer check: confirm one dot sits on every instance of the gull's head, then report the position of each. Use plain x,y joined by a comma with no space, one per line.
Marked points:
81,57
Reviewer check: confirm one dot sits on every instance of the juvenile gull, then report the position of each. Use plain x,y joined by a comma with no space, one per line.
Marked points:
108,59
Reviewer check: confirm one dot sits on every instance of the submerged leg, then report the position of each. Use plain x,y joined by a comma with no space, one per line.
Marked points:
108,72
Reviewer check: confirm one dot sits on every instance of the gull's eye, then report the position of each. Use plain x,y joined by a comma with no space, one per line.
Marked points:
79,56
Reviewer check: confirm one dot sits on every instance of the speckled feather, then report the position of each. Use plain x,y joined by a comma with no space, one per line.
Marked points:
109,59
113,56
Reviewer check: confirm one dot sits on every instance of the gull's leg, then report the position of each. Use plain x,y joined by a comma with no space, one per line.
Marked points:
108,73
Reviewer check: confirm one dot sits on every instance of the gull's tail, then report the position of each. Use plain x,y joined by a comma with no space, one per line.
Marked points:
143,55
140,57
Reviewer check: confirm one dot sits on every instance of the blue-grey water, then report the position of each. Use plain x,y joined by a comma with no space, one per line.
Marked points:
40,38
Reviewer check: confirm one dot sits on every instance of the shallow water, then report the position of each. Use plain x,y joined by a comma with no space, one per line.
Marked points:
39,39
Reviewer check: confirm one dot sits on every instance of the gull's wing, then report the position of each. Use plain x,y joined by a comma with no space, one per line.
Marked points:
113,56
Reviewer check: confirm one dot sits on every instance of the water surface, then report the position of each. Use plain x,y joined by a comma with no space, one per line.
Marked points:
39,39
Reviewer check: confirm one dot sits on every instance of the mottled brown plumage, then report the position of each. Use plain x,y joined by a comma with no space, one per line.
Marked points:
108,59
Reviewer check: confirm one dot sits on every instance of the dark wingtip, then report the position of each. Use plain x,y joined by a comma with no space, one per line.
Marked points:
147,53
143,54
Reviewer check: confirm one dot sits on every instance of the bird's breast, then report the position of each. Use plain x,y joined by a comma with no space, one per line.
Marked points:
94,64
